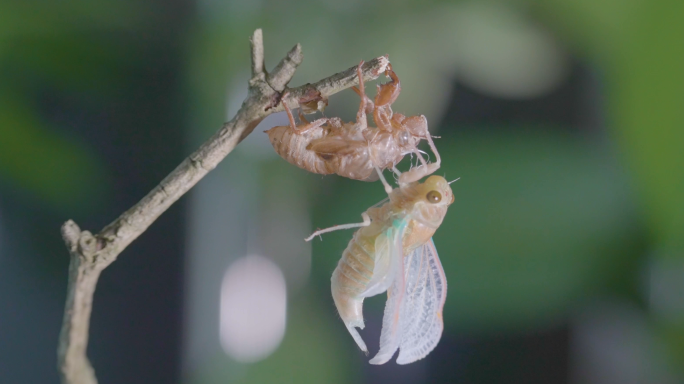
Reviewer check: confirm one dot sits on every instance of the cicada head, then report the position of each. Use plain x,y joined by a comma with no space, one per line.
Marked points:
417,126
428,201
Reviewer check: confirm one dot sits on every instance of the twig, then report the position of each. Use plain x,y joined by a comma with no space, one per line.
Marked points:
90,254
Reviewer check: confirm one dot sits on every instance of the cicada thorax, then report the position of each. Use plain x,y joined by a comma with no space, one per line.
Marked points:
377,149
385,149
416,234
422,218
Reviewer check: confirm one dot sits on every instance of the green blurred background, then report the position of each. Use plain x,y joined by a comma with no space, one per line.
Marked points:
564,250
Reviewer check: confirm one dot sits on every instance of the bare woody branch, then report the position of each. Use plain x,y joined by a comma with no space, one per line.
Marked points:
90,254
257,45
284,71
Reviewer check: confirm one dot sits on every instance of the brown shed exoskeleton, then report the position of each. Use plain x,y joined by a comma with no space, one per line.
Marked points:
356,150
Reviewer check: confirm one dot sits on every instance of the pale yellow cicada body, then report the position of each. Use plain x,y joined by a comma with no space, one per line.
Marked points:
393,251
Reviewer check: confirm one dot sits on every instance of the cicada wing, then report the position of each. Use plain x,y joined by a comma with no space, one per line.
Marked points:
335,146
385,266
421,312
390,335
381,202
372,177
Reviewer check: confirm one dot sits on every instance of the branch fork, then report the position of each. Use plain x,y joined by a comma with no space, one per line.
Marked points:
90,254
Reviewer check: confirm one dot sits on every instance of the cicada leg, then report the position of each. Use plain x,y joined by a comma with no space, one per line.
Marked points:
369,103
381,116
433,148
366,222
302,118
361,120
333,122
304,127
387,94
397,121
424,169
388,188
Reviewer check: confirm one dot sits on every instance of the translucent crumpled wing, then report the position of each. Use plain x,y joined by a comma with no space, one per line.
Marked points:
421,312
392,326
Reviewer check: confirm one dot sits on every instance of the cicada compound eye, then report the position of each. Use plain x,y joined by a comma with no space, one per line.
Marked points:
434,197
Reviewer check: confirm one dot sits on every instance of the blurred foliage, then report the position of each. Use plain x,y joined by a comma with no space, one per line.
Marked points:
53,47
639,46
648,94
59,170
311,352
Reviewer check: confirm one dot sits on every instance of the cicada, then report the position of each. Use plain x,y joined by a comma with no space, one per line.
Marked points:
356,150
393,251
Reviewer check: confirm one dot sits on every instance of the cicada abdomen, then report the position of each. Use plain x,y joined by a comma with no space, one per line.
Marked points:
291,146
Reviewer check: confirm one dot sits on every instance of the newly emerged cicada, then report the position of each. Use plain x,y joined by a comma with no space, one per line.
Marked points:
393,251
356,150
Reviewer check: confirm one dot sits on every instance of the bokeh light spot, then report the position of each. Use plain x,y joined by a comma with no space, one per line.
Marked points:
253,309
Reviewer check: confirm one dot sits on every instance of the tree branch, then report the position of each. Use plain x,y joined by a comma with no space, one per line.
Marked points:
90,254
257,45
